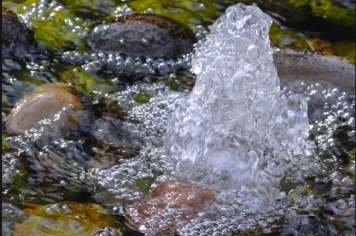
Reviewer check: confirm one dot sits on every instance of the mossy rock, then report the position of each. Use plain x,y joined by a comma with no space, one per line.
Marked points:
187,12
294,11
90,85
334,18
56,35
91,8
346,49
65,218
53,32
288,38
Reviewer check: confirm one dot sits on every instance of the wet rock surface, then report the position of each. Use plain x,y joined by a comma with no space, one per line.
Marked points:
341,192
43,176
146,35
63,218
17,38
49,103
176,201
183,193
309,225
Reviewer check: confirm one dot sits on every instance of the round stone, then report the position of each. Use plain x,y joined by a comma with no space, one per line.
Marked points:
146,35
49,104
171,199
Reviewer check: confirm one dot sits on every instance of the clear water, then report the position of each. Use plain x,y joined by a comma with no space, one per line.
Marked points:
298,174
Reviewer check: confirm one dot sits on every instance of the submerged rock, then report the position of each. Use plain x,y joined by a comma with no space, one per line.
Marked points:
176,201
52,104
64,218
16,37
309,225
183,193
111,156
341,192
300,65
43,176
145,35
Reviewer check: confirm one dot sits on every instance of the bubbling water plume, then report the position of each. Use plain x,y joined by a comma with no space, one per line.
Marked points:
236,130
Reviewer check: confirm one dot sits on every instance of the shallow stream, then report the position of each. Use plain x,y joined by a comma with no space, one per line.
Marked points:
292,177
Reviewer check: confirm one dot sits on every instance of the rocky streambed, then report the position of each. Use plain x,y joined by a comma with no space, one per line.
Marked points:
88,93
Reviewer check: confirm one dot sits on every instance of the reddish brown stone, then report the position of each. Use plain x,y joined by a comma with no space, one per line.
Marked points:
188,198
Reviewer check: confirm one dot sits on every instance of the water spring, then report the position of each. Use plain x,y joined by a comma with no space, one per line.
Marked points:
236,130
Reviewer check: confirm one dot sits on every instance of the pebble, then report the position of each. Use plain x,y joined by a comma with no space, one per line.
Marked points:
52,104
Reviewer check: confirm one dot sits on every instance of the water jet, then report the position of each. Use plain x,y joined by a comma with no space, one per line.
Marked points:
236,123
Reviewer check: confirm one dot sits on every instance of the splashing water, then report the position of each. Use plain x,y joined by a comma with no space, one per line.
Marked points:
236,130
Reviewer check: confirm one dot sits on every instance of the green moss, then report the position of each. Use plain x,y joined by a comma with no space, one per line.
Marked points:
287,38
143,97
55,34
346,49
84,81
299,3
67,218
333,16
5,101
52,32
4,144
91,8
17,8
294,11
187,12
144,184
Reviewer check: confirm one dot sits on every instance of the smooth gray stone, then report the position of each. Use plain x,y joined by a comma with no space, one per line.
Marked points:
144,35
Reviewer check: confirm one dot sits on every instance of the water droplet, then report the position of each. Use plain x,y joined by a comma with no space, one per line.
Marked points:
145,42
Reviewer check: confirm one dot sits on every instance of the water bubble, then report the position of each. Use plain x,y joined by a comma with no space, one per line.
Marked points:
145,42
122,42
341,204
252,53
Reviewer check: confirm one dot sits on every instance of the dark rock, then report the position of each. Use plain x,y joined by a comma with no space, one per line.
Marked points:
341,192
16,37
146,35
310,225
